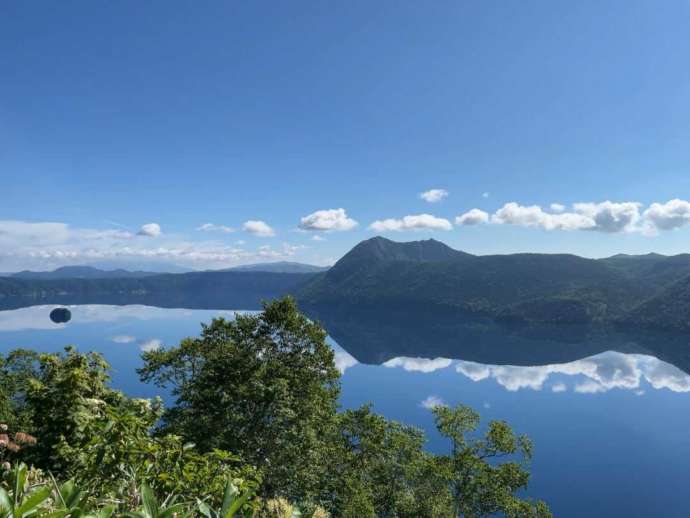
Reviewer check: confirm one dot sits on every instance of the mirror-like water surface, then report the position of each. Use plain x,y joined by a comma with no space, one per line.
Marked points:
610,425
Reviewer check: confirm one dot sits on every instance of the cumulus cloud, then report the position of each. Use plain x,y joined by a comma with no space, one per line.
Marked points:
606,216
433,195
610,217
212,227
327,221
600,373
534,216
472,217
431,402
150,230
258,228
418,364
669,215
415,222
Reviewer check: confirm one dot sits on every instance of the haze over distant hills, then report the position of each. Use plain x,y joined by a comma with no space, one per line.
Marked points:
278,267
379,274
81,272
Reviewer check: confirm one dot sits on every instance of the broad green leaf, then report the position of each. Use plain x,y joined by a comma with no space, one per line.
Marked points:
6,502
229,496
32,501
149,502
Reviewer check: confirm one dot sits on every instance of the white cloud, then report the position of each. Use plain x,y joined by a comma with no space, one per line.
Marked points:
327,220
418,364
533,216
33,232
606,216
486,194
668,216
212,227
258,228
434,195
317,237
150,230
472,217
150,345
415,222
611,217
123,339
600,373
557,207
431,402
44,246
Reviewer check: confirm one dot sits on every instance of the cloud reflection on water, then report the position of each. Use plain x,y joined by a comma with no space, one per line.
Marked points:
596,374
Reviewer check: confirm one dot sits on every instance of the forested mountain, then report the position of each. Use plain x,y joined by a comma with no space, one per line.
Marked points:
517,287
379,274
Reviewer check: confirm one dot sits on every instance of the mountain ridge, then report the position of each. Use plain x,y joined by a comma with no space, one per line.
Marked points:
649,291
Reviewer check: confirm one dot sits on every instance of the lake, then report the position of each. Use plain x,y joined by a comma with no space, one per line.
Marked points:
608,412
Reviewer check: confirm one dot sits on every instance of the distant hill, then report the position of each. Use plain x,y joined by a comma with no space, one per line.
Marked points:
278,267
207,290
81,272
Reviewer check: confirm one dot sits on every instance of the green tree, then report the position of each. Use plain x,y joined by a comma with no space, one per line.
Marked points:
16,369
122,454
381,465
66,392
263,386
481,485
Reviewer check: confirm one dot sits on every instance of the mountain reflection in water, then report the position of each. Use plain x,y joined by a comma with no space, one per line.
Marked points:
526,357
375,336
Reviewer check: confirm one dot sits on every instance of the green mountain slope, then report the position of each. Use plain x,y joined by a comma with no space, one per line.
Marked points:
669,309
533,287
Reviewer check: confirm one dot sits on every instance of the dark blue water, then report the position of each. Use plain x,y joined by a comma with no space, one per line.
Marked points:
611,430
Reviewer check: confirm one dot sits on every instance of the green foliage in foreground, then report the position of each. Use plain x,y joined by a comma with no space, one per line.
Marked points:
254,431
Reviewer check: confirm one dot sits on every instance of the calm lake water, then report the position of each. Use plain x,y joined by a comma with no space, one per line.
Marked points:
611,428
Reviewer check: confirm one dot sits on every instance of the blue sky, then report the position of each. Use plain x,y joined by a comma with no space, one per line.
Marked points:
115,115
